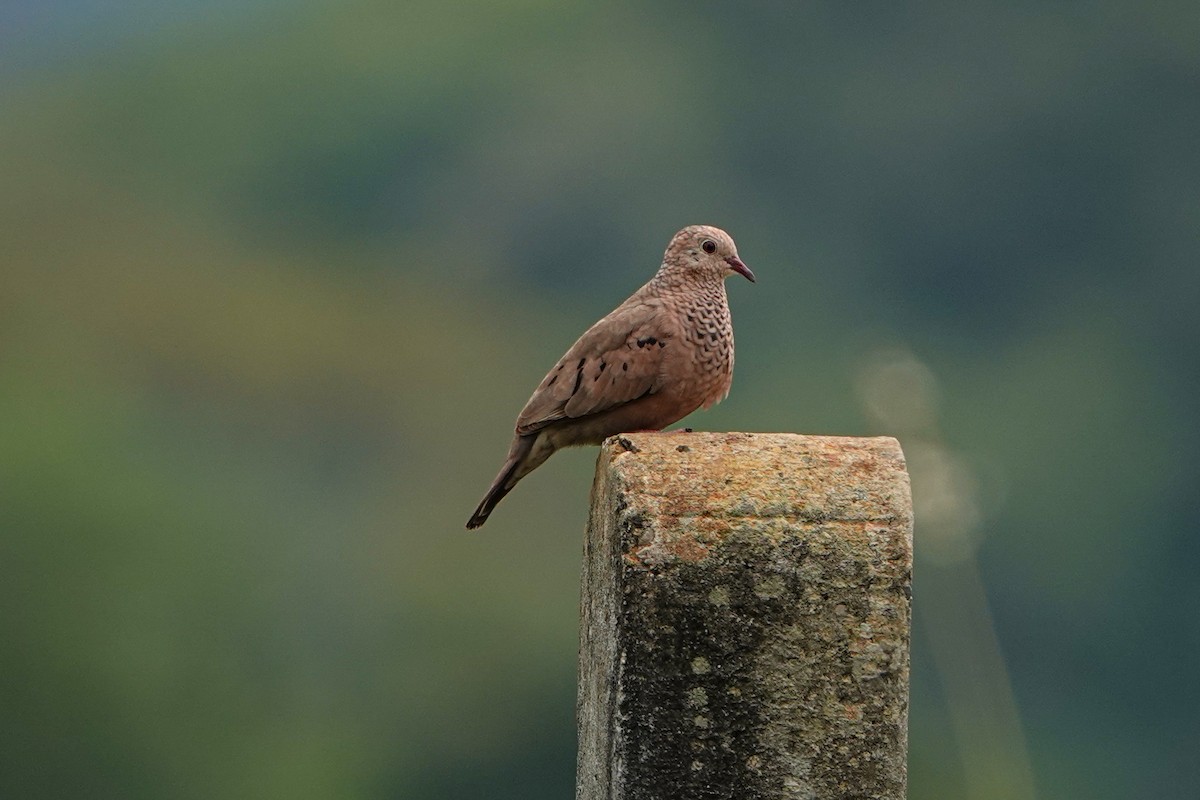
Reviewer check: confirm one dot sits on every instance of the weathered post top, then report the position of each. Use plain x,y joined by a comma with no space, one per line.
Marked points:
745,619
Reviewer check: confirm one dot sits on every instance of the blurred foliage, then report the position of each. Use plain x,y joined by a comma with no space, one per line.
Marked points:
275,278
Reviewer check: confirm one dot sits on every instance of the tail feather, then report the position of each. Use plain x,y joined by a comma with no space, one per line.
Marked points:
495,494
504,481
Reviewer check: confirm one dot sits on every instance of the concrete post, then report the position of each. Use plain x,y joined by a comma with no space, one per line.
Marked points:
745,619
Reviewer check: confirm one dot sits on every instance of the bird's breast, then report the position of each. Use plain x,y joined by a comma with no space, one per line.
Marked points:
704,357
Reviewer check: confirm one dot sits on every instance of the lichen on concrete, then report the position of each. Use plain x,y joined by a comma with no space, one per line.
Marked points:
745,619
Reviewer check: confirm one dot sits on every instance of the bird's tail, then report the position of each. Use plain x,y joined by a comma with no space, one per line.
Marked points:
505,481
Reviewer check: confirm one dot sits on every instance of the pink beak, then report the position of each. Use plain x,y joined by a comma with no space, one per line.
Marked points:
740,267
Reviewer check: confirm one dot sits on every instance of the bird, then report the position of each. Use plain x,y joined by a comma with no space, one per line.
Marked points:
657,357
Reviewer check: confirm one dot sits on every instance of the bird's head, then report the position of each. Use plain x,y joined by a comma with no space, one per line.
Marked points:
705,251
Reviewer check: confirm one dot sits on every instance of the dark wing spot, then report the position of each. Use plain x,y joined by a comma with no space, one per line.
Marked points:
662,344
602,366
578,379
553,378
582,361
647,341
624,366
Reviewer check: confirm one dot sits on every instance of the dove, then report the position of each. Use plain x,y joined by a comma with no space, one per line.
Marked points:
659,356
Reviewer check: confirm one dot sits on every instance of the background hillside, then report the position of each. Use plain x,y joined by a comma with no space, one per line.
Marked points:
275,279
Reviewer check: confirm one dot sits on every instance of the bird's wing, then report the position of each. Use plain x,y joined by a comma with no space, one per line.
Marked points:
616,361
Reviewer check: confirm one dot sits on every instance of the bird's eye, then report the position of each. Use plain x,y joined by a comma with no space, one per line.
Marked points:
708,246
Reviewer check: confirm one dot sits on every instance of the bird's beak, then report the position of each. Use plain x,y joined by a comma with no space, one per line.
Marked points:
739,266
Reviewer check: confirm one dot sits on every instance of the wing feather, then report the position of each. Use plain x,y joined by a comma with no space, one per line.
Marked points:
616,361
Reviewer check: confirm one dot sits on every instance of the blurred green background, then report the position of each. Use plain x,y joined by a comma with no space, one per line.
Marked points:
276,277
